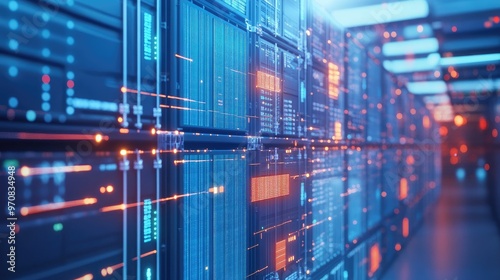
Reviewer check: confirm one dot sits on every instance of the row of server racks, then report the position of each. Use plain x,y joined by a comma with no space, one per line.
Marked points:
223,139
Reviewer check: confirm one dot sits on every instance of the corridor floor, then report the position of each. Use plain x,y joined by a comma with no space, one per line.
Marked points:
458,240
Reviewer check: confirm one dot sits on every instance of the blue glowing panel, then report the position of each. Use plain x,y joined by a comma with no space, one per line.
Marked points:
214,216
213,63
327,207
356,195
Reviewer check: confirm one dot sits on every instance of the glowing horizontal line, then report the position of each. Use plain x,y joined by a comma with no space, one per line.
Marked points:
185,99
144,92
86,277
257,271
135,204
47,136
25,211
273,227
145,255
183,57
32,171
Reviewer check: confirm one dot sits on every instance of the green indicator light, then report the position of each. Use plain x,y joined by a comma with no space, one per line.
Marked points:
58,227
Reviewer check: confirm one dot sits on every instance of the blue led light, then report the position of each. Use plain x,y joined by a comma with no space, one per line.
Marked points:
460,174
147,231
70,75
148,35
45,17
46,52
45,96
13,71
45,33
13,102
30,115
13,44
70,59
70,24
70,110
45,70
47,118
45,106
481,174
70,40
13,6
45,87
70,92
13,24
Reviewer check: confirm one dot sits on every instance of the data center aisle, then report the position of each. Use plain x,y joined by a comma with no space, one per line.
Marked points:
458,241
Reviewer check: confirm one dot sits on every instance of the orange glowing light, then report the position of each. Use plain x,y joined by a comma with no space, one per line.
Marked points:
496,19
398,91
333,80
268,82
124,130
153,131
338,131
443,131
426,122
459,120
486,167
463,148
410,160
406,227
375,259
120,119
32,171
494,133
102,189
394,34
383,194
454,160
123,152
483,124
399,116
109,188
387,35
57,206
268,187
397,247
280,254
98,138
403,188
86,277
453,152
153,151
123,89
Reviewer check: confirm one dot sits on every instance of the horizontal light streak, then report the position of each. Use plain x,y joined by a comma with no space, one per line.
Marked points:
419,46
382,13
25,211
32,171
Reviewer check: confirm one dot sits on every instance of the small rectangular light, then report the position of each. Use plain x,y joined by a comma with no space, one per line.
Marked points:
419,46
430,63
470,60
428,87
382,13
479,85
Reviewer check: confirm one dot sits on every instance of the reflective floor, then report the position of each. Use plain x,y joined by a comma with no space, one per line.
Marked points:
458,241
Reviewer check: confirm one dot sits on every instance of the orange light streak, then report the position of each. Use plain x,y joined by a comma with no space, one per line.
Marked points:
183,57
32,171
25,211
145,255
86,277
48,136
